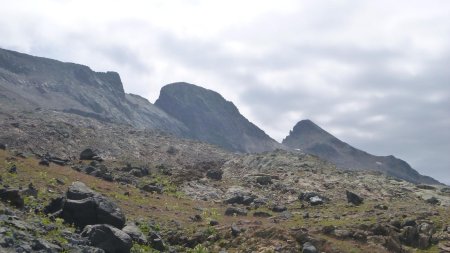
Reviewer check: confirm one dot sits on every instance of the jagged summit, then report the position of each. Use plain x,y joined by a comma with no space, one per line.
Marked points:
29,82
310,138
213,119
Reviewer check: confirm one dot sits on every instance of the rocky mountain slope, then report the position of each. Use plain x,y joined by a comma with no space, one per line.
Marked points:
212,119
310,138
34,82
271,202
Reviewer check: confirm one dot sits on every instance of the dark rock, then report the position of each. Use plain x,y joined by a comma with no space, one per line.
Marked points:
30,191
424,241
311,197
213,223
215,174
410,236
196,218
108,238
426,187
379,229
279,208
328,230
381,207
240,198
135,233
354,198
156,241
409,223
136,173
44,162
231,211
42,245
82,207
153,188
12,196
88,154
261,214
264,180
79,191
309,248
55,206
3,146
235,230
342,233
446,190
13,169
433,201
393,245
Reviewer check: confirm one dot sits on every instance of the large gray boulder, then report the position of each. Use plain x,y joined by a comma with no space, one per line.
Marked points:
108,238
82,206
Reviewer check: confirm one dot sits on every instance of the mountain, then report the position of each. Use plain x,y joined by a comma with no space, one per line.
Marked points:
29,82
212,119
312,139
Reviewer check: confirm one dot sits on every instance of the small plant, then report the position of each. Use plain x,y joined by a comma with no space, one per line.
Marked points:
199,249
139,248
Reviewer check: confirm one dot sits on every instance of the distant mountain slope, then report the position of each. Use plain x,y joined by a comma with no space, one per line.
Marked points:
312,139
212,119
33,82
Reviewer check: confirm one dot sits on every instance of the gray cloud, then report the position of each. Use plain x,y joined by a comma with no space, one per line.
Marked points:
377,78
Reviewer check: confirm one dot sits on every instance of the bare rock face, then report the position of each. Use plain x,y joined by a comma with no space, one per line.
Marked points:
212,119
31,82
311,139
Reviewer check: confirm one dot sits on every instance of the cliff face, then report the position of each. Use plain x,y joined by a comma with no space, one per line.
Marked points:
212,119
30,82
312,139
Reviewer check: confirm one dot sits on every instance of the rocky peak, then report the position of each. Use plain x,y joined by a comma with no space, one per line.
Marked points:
29,82
212,119
311,139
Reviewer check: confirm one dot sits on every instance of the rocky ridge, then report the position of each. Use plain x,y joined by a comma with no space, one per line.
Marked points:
212,119
310,138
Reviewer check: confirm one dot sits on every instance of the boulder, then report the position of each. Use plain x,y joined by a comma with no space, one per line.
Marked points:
13,169
316,200
12,196
153,188
215,174
410,236
231,211
312,197
261,214
88,154
82,206
279,208
241,198
309,248
3,146
354,198
108,238
433,201
235,230
264,180
156,241
135,233
44,162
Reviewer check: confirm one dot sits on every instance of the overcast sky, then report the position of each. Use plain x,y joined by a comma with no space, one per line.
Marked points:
374,73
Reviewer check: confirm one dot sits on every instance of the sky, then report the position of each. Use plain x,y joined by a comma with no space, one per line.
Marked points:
375,74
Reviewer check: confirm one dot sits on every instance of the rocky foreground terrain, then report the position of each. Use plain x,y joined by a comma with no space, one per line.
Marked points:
270,202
